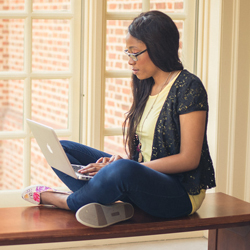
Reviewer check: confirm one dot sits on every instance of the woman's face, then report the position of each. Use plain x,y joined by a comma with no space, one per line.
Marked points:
143,68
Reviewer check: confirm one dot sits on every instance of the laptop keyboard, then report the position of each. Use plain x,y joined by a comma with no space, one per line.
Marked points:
77,167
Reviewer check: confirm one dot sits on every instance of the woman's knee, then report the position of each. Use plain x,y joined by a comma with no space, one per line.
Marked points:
71,147
66,144
123,169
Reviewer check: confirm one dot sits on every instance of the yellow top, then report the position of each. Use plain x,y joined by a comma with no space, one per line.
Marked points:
197,200
146,127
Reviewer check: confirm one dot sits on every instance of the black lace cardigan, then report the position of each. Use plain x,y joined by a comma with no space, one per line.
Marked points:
186,95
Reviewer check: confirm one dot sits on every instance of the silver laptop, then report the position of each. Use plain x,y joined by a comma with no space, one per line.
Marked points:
53,151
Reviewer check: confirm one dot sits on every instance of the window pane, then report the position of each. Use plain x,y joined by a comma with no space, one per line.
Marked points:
11,164
128,5
11,44
117,101
116,34
114,145
12,5
180,26
170,6
60,5
41,172
11,105
51,45
50,102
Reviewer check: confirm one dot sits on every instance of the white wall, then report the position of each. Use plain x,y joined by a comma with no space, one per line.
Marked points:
224,63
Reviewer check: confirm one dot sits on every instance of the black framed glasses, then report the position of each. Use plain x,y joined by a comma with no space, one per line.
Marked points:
134,55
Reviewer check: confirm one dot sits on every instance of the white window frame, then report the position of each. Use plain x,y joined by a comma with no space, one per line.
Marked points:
12,197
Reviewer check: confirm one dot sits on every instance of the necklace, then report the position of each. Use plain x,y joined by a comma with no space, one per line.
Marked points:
139,146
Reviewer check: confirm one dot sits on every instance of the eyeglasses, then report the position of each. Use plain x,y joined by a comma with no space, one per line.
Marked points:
134,55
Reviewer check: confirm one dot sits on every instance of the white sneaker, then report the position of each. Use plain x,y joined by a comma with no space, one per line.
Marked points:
98,216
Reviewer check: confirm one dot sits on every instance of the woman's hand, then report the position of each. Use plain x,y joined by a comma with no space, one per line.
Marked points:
93,168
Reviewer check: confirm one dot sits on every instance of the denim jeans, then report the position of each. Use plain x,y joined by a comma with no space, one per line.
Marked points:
156,193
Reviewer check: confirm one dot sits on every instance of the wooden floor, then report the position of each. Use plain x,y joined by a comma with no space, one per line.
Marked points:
26,225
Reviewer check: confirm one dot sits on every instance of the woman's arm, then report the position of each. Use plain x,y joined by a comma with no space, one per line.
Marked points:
192,127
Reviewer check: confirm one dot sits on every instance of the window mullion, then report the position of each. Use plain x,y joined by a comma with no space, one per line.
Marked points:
145,5
94,61
188,35
51,15
118,74
74,80
12,14
27,93
11,76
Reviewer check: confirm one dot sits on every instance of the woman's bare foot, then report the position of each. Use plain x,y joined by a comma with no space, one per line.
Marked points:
57,199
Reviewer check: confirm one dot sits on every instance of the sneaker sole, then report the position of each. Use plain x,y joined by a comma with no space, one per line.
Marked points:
97,216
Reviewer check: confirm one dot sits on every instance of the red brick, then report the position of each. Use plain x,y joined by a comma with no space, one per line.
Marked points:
178,5
161,6
127,6
170,5
119,32
112,6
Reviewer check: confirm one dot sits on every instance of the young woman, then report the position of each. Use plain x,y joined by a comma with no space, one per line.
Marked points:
168,167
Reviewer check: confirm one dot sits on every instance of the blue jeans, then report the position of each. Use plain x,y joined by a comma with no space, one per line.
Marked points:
156,193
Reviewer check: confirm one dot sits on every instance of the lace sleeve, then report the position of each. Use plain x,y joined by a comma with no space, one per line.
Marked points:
192,97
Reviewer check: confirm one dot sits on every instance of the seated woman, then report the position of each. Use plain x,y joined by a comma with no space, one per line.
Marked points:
168,166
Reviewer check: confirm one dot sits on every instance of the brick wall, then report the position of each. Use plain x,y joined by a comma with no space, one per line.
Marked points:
50,102
51,41
4,30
